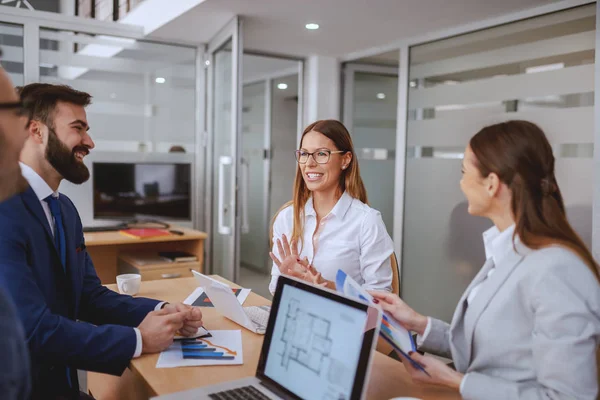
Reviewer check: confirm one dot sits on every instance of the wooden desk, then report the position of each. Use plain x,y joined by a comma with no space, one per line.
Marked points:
104,248
388,377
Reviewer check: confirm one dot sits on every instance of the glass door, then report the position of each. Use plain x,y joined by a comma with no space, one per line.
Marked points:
370,113
224,110
270,118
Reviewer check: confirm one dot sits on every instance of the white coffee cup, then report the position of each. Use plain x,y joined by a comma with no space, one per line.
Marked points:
405,398
129,283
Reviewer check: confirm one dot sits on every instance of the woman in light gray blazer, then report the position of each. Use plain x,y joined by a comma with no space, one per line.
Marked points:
528,326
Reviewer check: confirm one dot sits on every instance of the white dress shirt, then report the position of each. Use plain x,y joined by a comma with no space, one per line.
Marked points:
496,244
43,190
352,237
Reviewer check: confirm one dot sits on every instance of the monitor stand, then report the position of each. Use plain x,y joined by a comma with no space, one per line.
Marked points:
104,228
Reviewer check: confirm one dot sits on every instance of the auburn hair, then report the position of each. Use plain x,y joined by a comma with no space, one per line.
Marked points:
520,154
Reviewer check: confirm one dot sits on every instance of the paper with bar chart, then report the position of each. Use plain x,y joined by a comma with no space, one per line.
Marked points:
222,348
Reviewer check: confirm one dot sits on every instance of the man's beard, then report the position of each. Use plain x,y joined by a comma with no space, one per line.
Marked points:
63,160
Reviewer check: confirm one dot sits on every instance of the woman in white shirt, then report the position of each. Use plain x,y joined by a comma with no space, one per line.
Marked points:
328,223
528,326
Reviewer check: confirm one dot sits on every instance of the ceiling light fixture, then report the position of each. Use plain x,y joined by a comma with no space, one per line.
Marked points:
160,79
413,84
311,26
544,68
282,86
381,96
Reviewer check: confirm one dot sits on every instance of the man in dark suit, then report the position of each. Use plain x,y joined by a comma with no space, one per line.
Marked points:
71,321
14,356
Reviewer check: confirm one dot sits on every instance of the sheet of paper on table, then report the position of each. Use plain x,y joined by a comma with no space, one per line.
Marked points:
221,348
200,333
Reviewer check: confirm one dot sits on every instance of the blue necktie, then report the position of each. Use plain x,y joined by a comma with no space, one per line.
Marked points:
60,242
59,234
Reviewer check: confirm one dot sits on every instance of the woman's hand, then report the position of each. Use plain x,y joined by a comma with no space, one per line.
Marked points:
406,316
290,261
311,275
439,373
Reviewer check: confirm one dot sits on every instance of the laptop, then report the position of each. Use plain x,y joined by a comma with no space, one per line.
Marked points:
252,318
318,345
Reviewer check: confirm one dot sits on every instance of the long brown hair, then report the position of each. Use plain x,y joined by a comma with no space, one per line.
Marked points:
520,154
350,179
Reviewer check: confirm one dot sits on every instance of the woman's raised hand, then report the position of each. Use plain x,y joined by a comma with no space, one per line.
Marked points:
290,261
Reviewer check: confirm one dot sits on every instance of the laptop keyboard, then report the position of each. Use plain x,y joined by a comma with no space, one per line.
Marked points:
259,315
242,393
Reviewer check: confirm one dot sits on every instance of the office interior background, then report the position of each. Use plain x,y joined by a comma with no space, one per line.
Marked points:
214,95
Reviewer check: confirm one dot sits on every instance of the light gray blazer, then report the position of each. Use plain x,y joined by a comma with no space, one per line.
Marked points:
531,332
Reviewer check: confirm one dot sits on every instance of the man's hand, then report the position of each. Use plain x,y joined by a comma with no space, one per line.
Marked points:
193,320
158,329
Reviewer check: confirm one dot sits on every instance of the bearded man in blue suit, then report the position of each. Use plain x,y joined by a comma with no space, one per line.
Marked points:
70,320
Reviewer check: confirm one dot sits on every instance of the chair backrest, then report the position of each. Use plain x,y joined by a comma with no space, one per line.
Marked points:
383,346
395,275
598,368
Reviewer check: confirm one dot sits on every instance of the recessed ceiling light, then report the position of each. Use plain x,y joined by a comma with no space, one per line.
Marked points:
413,84
282,86
312,26
160,79
113,95
381,96
207,63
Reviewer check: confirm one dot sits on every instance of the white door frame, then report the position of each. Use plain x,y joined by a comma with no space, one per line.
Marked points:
230,31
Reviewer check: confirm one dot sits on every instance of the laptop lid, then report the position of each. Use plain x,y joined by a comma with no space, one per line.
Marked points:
318,343
225,301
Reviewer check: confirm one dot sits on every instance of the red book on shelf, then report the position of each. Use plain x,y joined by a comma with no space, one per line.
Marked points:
144,233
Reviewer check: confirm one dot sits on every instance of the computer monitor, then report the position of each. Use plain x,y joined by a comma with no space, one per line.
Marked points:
318,343
124,191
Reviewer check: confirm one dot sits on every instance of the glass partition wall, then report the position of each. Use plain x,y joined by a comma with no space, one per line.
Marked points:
537,65
370,109
144,104
540,69
270,110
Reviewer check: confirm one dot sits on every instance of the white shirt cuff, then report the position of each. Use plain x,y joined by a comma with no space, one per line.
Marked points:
462,383
159,305
138,343
421,339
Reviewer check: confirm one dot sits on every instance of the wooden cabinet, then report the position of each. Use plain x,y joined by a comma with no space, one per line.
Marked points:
152,267
105,248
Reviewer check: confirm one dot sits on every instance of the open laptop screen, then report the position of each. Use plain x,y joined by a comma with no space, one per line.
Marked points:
318,346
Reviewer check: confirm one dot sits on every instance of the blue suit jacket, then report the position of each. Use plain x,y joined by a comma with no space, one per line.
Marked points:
14,368
70,319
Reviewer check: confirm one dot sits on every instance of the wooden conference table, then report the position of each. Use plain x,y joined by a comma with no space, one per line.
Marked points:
388,377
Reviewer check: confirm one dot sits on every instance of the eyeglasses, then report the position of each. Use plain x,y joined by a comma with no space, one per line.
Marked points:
320,156
19,106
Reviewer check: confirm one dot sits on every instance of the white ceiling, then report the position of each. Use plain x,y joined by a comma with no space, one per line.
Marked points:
277,26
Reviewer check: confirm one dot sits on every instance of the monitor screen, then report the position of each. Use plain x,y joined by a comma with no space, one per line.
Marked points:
132,190
316,345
